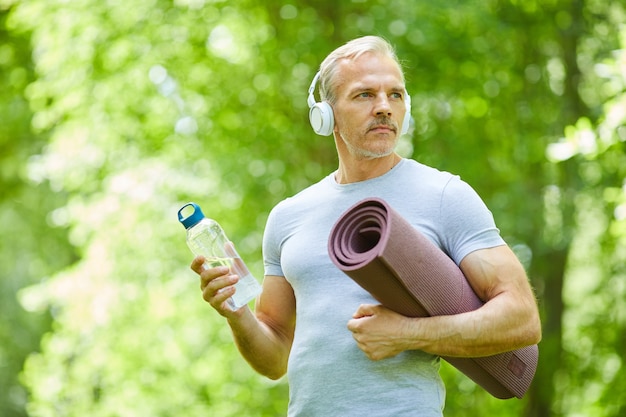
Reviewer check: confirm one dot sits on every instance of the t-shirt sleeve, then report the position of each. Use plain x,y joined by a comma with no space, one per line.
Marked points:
467,222
271,245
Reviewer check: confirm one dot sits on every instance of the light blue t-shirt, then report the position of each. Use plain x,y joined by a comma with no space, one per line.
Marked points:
328,374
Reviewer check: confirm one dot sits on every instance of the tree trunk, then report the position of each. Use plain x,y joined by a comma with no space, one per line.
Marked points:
549,270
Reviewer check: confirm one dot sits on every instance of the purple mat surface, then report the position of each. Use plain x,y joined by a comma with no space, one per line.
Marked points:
407,273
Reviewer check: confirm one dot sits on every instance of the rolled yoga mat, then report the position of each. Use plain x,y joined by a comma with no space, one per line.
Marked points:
407,273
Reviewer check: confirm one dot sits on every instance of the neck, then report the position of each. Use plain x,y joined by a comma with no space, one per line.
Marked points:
365,169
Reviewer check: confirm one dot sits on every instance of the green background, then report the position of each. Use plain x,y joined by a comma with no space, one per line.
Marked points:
114,113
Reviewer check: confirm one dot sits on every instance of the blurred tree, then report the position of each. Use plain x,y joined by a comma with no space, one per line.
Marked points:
594,293
146,105
31,248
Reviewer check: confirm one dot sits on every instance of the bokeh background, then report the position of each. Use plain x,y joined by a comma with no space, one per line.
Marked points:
114,113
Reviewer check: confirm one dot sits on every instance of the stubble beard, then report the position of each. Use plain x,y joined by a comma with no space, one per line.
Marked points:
361,153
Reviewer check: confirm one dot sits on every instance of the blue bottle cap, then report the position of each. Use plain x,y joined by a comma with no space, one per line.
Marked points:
193,218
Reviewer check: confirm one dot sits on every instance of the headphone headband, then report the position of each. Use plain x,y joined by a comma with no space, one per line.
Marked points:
311,99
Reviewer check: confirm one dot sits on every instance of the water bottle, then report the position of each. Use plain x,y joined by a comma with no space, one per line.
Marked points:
205,237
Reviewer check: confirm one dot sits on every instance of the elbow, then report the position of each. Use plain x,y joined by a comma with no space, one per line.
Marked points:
537,334
276,376
531,337
271,371
527,335
530,324
533,332
273,374
528,330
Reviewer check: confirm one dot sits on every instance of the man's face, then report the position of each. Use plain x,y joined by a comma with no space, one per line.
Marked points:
370,105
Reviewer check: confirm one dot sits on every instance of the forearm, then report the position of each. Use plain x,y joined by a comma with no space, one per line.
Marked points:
502,324
265,349
263,338
499,326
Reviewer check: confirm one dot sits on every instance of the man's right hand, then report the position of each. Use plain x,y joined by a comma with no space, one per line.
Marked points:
217,285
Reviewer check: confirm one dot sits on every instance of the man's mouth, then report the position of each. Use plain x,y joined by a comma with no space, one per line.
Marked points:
382,128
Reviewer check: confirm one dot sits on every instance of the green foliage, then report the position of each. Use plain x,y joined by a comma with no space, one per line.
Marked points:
30,249
599,251
128,110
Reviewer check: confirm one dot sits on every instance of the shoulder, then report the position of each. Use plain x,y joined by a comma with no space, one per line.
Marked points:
305,199
413,167
294,208
448,186
423,178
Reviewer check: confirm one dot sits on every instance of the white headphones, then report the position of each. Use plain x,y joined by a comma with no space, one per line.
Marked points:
322,118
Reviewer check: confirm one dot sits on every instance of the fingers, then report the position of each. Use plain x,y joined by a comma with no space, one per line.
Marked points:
365,310
197,265
363,339
373,332
216,284
217,287
217,290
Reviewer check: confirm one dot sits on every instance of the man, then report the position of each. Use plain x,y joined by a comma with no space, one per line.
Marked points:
345,355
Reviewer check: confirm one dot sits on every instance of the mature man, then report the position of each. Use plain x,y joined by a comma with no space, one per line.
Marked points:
344,354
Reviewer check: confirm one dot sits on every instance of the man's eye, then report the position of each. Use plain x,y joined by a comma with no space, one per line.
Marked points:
396,95
364,95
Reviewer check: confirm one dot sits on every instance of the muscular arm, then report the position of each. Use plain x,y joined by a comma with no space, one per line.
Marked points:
508,320
264,337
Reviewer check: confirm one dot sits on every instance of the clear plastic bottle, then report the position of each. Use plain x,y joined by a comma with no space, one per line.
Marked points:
205,237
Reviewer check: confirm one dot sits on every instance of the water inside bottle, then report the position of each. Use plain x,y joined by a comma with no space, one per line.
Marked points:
214,261
246,289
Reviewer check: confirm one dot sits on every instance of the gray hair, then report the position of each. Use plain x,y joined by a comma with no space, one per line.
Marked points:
351,50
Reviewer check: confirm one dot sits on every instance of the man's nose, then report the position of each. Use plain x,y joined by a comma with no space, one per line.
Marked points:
382,107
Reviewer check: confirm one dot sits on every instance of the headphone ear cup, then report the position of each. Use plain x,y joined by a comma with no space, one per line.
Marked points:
322,119
406,122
